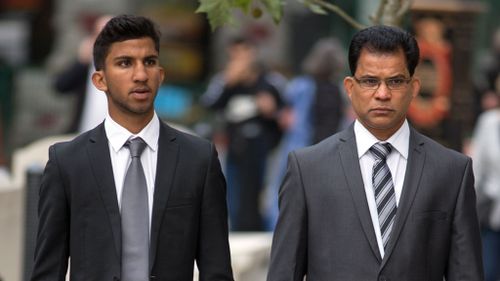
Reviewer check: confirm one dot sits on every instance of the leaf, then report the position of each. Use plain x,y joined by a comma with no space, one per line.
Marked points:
243,5
218,12
315,8
275,9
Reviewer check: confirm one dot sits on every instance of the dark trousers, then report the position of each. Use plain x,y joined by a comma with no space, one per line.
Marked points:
491,254
245,173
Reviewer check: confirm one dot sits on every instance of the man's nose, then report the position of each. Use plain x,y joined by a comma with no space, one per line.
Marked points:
383,92
140,73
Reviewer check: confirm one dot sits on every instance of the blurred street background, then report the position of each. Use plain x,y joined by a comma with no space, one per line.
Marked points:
40,38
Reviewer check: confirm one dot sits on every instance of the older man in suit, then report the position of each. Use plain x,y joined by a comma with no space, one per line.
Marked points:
378,201
132,199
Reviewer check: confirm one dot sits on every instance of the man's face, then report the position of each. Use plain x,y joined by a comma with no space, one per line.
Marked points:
131,77
382,111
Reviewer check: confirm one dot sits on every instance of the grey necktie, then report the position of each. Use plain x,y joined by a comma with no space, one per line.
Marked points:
135,217
384,190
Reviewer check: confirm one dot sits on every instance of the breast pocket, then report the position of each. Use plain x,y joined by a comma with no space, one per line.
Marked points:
180,215
180,202
431,216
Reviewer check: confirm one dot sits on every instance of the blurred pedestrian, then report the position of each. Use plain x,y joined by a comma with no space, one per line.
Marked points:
249,102
4,173
91,104
314,110
485,151
488,80
6,113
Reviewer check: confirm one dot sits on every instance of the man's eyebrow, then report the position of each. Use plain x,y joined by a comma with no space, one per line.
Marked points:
369,76
152,57
125,57
396,76
122,58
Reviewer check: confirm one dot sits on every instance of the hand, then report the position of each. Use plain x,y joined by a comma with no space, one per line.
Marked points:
286,118
266,104
234,73
240,69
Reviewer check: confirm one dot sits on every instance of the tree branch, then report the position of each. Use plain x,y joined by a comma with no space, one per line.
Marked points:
375,18
404,8
336,9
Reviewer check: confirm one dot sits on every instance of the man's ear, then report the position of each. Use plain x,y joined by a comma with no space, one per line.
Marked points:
99,80
348,84
415,86
162,75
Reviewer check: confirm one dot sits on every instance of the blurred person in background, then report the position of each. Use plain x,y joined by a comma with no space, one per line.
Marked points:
91,104
4,174
314,110
246,97
488,80
323,67
6,113
486,86
485,151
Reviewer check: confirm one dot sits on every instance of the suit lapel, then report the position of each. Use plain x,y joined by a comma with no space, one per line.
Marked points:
100,163
414,168
168,151
350,163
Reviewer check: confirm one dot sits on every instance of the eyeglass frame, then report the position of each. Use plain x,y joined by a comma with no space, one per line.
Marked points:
403,86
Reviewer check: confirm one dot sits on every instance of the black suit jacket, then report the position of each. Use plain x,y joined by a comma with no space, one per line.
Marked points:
79,216
325,230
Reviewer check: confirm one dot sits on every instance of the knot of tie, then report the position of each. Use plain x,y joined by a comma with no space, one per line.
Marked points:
136,147
381,150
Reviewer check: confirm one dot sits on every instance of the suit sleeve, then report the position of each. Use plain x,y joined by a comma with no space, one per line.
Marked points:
465,261
214,262
51,253
289,248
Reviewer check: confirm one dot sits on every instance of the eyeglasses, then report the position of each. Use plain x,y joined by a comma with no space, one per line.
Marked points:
370,83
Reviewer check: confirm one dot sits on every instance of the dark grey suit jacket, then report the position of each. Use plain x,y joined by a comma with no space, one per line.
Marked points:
325,230
80,218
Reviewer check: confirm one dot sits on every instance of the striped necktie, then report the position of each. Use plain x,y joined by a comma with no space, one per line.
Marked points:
383,186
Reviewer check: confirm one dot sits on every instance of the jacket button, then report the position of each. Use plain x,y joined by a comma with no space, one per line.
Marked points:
383,278
152,277
116,279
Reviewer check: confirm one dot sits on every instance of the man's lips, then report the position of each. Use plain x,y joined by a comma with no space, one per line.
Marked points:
381,110
140,92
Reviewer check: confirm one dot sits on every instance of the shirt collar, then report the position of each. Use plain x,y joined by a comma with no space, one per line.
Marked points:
400,140
118,135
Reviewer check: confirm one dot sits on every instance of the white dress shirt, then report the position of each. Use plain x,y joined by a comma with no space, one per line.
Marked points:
396,161
120,155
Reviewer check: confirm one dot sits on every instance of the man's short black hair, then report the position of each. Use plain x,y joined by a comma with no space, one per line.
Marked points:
122,28
384,39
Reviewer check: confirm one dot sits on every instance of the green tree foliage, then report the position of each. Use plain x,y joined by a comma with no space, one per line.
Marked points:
219,12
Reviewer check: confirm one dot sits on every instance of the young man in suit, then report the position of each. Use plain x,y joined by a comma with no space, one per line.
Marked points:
132,199
378,201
